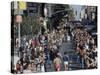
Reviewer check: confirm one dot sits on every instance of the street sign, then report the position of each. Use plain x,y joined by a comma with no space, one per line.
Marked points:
18,18
18,11
33,10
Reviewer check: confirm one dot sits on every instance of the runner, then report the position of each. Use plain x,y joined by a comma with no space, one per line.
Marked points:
57,63
65,59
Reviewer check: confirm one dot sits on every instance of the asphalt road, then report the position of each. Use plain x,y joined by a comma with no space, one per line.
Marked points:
74,63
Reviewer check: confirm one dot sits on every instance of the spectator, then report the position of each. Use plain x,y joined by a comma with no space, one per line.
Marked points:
18,67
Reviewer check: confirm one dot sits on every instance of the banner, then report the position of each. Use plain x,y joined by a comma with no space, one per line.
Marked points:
22,5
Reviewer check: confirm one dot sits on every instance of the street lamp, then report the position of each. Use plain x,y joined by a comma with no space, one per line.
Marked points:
86,18
41,24
45,11
45,18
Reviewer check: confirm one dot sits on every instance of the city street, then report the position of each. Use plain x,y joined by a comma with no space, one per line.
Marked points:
53,37
74,64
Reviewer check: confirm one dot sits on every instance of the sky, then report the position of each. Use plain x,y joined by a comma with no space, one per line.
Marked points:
78,9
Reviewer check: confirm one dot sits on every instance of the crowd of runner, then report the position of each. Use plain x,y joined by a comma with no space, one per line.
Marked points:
37,53
86,48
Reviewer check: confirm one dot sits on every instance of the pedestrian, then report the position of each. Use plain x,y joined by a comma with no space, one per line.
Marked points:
33,69
18,67
20,53
29,69
42,67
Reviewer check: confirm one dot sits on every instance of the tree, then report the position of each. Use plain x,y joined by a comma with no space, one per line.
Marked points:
29,26
65,9
71,15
